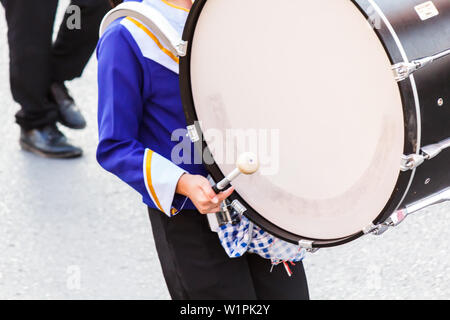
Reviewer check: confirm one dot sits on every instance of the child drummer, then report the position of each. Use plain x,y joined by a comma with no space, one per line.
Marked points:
139,108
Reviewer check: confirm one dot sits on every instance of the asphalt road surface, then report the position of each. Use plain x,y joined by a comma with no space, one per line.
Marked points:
69,230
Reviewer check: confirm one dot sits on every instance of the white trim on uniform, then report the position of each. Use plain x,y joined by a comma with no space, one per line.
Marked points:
161,178
149,48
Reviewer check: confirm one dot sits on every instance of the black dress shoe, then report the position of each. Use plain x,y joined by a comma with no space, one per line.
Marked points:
48,142
69,114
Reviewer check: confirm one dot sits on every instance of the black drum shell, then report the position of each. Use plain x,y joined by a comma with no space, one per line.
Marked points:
419,39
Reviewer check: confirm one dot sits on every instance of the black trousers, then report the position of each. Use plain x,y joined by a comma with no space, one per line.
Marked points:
196,267
36,61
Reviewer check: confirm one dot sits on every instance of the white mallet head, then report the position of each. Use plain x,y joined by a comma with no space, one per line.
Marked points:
247,163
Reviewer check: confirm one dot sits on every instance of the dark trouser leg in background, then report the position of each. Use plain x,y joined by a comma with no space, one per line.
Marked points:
30,26
196,266
76,40
73,48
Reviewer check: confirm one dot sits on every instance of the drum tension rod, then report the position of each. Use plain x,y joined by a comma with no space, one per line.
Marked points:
393,221
412,161
403,70
400,215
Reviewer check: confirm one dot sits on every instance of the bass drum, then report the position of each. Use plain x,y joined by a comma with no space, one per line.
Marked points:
347,132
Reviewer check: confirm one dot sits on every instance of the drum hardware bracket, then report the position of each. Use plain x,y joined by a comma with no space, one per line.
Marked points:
192,133
227,215
238,207
393,221
230,213
181,48
308,245
403,70
412,161
374,229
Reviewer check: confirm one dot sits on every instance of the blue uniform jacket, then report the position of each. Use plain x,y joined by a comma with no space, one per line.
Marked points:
140,115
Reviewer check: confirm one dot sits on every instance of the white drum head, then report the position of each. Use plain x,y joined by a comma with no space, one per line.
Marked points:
314,74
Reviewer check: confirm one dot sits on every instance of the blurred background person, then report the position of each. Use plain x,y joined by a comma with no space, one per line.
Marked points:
39,67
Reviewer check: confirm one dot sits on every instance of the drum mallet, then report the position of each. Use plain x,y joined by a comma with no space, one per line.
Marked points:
247,164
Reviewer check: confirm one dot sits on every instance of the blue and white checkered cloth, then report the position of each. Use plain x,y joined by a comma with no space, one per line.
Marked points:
246,237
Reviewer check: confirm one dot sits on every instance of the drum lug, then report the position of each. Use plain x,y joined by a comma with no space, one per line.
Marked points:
193,134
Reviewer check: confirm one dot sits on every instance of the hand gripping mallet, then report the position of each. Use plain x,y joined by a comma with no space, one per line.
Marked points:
247,164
